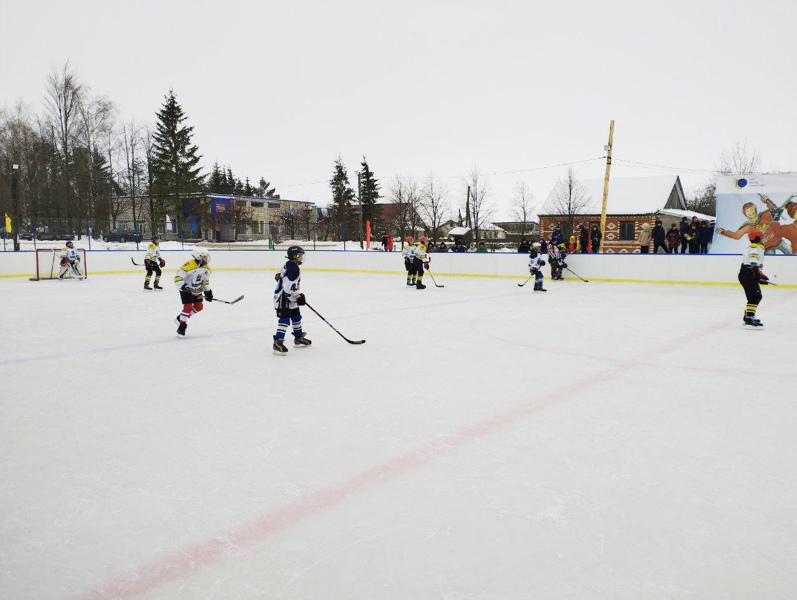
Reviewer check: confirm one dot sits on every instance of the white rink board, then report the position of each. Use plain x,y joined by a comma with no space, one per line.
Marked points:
659,268
602,440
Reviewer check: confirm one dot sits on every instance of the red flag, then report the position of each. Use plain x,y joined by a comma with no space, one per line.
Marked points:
368,234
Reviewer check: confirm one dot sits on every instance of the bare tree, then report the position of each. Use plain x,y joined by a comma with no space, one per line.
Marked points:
131,140
435,203
739,160
703,199
404,194
569,200
478,206
523,207
63,93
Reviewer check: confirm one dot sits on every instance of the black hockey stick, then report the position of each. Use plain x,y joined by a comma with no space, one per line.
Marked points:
433,281
577,275
238,299
330,324
525,282
135,263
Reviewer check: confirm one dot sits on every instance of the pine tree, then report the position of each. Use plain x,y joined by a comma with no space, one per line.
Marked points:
342,194
369,195
248,189
175,159
216,179
264,189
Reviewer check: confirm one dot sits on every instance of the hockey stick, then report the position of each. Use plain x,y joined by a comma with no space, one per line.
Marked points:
238,299
135,263
330,324
525,282
433,281
577,275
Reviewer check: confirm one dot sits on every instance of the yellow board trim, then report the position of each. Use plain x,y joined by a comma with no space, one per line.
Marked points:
474,275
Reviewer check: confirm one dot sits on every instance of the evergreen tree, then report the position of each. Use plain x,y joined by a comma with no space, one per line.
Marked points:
264,189
216,179
342,194
369,195
175,159
248,191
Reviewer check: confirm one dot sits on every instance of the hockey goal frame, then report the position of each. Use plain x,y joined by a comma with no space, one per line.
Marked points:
48,264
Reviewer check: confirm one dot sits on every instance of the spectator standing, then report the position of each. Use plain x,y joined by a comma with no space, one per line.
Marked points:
684,231
556,237
572,246
442,247
384,241
524,247
583,239
431,247
659,238
595,239
543,246
645,236
673,238
389,242
694,237
706,235
481,249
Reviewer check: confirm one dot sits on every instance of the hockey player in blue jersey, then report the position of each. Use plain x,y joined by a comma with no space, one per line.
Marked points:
287,300
536,263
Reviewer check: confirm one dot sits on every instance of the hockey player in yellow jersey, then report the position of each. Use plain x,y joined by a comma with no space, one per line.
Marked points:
752,277
420,262
407,252
192,281
153,262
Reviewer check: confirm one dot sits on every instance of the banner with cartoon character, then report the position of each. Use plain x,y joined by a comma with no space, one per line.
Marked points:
764,202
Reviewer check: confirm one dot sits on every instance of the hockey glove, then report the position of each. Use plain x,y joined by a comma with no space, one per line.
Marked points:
147,263
542,263
564,265
426,266
300,300
534,271
209,295
276,276
162,263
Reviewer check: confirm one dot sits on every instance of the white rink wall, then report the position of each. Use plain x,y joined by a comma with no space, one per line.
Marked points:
651,268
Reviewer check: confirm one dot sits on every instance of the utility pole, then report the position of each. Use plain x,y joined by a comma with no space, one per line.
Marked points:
467,209
360,202
608,149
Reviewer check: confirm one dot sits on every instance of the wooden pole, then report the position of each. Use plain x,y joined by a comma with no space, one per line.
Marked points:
606,184
360,202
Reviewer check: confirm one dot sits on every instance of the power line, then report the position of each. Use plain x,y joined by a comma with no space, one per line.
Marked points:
654,166
528,170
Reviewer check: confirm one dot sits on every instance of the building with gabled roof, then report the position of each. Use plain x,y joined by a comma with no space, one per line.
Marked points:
631,202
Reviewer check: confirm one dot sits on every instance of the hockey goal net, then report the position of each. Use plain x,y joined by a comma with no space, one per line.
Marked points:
48,266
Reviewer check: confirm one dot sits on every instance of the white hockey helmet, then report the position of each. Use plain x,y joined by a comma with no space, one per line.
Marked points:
202,256
536,245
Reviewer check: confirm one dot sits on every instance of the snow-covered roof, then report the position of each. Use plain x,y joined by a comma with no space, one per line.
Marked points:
459,231
492,227
627,195
686,213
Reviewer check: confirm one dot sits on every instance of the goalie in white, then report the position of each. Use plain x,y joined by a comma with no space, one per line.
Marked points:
70,262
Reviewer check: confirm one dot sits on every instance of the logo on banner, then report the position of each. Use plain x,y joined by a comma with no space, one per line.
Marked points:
741,183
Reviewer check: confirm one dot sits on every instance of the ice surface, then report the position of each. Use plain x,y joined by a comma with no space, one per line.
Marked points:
600,441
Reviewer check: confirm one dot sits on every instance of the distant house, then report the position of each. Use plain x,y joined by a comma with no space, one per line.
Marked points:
517,230
631,202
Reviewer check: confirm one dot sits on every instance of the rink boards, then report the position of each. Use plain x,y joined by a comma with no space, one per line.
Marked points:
627,268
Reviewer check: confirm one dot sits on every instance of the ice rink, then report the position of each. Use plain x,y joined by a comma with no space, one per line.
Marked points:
602,440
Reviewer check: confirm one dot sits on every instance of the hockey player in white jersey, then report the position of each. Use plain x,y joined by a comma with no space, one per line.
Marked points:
70,262
408,253
153,262
536,263
420,261
752,277
192,280
288,297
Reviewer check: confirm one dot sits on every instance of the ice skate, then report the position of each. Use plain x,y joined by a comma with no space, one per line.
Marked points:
752,322
158,286
420,286
279,348
181,329
147,287
539,289
301,341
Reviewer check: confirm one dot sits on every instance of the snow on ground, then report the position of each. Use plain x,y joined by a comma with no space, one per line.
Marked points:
600,441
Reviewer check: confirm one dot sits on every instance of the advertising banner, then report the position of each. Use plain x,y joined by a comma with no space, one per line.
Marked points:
764,202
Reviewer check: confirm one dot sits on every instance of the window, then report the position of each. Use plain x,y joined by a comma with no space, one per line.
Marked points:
257,204
273,204
241,203
626,230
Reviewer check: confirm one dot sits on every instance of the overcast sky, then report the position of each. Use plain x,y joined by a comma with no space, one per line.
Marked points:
279,89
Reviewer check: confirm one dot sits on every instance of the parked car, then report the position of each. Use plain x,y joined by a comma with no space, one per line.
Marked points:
53,233
122,235
25,235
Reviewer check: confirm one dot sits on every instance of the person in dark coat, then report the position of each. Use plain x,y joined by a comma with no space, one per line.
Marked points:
524,247
694,238
543,246
583,239
706,235
556,237
684,230
673,239
595,239
659,238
